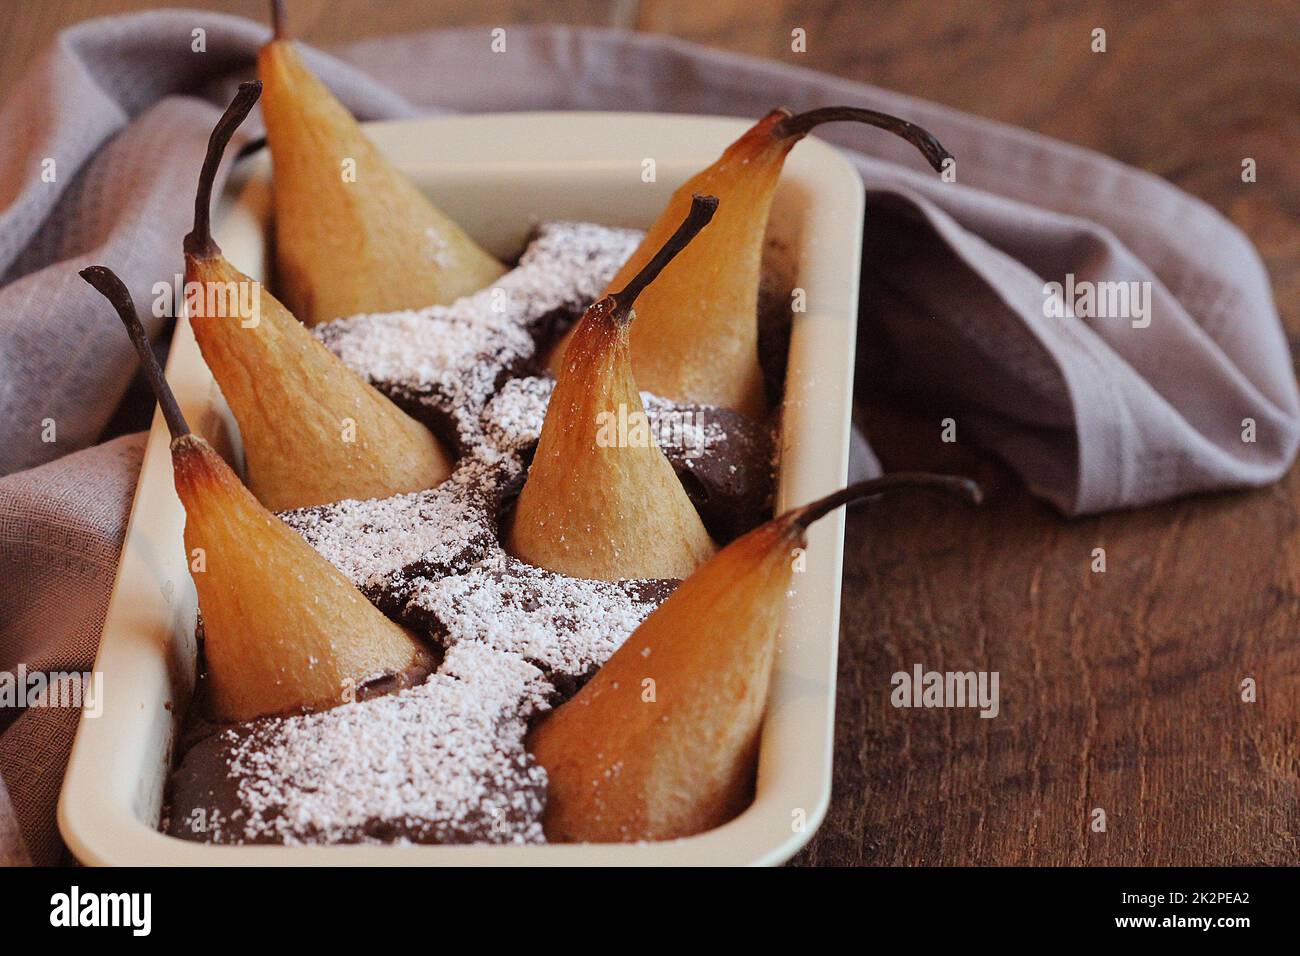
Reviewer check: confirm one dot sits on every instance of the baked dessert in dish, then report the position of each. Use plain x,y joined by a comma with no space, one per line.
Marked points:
486,584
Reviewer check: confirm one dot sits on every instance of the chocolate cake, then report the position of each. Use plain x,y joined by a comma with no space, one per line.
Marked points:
444,761
440,763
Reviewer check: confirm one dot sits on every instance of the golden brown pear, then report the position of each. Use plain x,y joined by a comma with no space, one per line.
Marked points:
284,630
352,233
313,431
598,504
622,768
697,336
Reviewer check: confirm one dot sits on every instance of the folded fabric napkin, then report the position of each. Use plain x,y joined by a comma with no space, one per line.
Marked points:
1133,382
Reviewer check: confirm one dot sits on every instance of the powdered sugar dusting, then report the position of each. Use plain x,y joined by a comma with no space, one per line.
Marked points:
566,626
684,432
443,762
456,355
512,420
379,544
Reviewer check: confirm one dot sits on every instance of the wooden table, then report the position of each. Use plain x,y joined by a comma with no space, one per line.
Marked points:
1120,691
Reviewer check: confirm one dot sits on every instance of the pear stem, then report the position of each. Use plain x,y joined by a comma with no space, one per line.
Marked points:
199,243
702,210
279,20
954,485
106,282
802,123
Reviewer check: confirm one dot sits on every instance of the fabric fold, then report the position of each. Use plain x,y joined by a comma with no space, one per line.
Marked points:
61,530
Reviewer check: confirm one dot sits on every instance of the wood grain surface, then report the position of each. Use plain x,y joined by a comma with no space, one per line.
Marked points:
1120,690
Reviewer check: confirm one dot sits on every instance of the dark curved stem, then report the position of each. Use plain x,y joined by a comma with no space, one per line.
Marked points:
802,123
958,487
279,20
106,282
702,210
199,242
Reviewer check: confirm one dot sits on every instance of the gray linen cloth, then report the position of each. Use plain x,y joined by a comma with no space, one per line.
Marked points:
1093,412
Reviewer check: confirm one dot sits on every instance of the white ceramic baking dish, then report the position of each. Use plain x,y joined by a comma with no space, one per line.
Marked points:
498,175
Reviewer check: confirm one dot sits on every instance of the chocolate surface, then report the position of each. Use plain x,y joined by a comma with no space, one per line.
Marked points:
440,763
